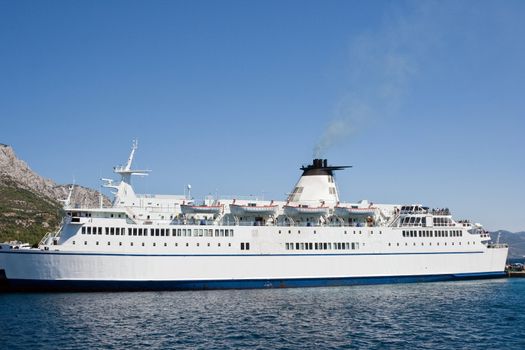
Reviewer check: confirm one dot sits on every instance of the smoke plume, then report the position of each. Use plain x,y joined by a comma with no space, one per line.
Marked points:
382,65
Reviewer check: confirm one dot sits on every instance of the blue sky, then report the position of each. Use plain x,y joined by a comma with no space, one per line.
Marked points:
425,99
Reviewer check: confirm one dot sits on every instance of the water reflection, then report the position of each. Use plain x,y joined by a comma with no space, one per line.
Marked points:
479,314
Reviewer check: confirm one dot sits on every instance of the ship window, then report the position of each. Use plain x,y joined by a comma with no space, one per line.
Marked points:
143,244
157,233
97,243
119,243
229,244
216,233
85,242
195,232
200,232
88,230
109,243
242,246
247,246
231,233
154,244
311,246
210,233
73,242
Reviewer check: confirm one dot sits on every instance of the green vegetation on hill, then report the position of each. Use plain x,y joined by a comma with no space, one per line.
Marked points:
24,215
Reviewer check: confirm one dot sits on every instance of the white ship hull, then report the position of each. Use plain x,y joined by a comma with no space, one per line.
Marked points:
193,268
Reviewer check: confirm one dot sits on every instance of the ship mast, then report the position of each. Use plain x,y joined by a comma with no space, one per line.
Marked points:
124,192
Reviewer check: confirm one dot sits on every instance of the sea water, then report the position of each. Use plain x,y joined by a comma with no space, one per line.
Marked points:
485,314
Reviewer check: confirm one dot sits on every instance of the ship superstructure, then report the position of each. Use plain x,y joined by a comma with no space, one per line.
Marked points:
309,239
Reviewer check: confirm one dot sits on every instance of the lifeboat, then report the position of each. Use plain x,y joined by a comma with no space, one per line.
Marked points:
293,210
201,209
260,210
350,211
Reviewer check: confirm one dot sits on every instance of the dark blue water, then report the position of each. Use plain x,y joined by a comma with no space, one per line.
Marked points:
487,314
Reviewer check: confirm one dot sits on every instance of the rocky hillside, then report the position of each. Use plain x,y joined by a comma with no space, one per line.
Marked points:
30,204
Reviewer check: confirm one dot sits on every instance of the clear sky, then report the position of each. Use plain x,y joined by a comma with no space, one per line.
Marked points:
425,99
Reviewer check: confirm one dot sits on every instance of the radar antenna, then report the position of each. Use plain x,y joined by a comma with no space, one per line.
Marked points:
125,171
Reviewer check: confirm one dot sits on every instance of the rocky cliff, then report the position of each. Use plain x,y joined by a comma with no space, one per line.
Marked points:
30,204
20,174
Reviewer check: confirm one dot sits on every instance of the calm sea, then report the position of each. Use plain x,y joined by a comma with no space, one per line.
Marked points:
487,314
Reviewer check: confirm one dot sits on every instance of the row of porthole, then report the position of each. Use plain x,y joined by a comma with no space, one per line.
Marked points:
315,232
154,244
430,243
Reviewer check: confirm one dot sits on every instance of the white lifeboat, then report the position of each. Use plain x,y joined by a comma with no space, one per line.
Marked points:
201,209
343,211
294,210
253,209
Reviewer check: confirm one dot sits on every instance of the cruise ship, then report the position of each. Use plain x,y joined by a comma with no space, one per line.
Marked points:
310,239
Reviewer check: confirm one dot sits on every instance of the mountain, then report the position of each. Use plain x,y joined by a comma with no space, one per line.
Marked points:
30,205
516,242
